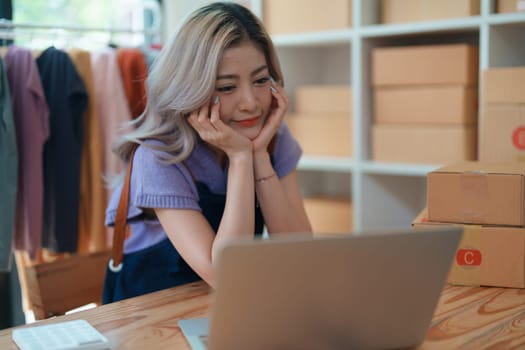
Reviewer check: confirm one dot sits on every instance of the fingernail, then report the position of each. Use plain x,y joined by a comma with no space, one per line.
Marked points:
274,90
216,100
272,80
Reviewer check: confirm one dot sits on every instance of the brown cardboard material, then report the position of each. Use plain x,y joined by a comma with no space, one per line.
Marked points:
478,193
426,104
502,133
486,256
508,6
399,11
503,85
329,214
502,118
323,98
327,134
426,64
294,16
423,144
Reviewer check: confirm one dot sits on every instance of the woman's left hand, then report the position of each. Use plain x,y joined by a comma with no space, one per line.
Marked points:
274,119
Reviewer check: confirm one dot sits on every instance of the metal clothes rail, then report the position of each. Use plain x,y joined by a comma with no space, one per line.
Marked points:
8,24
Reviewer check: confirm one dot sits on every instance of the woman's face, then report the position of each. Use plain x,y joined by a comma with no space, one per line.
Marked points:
243,87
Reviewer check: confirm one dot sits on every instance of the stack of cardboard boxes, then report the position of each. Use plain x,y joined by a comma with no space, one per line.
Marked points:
488,200
322,121
322,124
425,103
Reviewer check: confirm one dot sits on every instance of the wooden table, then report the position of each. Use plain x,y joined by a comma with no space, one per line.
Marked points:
466,318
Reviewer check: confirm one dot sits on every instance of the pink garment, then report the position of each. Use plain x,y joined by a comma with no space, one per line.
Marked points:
111,104
31,117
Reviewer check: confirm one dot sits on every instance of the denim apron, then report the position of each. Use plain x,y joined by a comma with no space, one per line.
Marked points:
160,266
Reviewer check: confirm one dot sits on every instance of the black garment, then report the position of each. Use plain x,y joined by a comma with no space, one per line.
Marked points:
6,9
66,97
8,172
11,311
160,266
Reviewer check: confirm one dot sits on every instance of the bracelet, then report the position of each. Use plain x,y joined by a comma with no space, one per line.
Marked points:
264,179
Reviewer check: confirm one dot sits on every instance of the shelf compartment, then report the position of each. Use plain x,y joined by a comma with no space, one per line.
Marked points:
390,202
506,47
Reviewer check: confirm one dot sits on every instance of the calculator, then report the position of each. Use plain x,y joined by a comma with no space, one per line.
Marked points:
77,334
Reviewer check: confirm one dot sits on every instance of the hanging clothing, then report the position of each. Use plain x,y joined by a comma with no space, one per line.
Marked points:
134,70
112,107
67,99
8,172
91,229
31,118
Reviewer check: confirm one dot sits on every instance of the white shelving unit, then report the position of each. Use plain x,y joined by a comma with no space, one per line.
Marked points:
384,195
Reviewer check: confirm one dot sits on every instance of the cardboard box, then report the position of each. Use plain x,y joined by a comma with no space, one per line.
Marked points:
323,98
423,144
486,256
326,134
294,16
478,193
425,64
508,6
503,85
428,104
329,214
502,118
502,133
398,11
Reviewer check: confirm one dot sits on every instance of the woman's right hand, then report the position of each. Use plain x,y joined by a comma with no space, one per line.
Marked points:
208,124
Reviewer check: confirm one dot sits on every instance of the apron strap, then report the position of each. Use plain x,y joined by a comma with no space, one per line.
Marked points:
119,233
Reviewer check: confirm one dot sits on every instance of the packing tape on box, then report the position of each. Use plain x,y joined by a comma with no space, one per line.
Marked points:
474,187
466,269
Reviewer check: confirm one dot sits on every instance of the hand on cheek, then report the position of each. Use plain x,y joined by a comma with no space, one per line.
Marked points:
212,130
278,108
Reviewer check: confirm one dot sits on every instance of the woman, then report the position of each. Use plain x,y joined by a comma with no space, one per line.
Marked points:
214,161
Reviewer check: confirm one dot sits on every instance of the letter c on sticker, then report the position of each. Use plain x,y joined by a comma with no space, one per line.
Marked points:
518,137
468,257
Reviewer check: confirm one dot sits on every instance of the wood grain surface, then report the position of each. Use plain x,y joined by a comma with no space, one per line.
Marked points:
478,318
465,318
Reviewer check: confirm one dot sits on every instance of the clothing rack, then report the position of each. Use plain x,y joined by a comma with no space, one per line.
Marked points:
10,30
8,24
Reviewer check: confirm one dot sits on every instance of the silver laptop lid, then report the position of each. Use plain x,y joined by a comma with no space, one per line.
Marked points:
339,292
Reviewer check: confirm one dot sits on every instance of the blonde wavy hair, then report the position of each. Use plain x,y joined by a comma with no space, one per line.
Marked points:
182,77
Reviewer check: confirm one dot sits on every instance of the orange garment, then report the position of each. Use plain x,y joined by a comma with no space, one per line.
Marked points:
134,70
91,230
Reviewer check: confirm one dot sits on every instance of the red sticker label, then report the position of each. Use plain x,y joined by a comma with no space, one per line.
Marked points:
468,257
518,137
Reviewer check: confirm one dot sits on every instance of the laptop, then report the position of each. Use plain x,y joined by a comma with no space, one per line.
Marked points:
365,291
